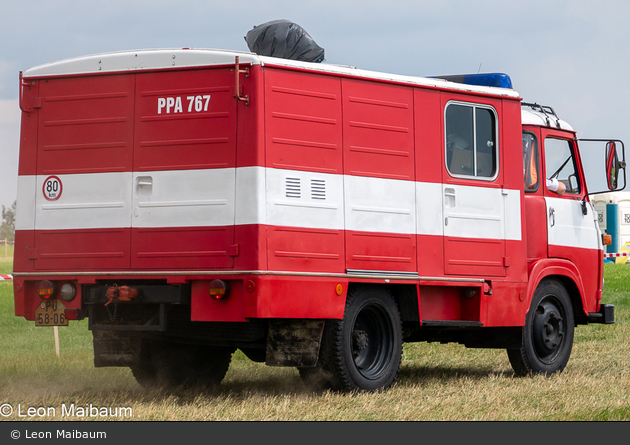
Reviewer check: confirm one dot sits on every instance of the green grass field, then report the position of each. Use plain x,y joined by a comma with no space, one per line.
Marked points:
436,382
6,261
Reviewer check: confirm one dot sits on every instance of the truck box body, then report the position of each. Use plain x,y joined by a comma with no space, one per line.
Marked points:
290,181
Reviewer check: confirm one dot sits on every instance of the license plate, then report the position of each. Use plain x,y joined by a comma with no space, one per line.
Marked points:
51,313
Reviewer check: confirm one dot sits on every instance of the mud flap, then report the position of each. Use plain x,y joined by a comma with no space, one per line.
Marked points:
294,342
115,349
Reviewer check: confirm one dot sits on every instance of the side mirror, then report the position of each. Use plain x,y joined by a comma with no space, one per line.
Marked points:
610,178
612,165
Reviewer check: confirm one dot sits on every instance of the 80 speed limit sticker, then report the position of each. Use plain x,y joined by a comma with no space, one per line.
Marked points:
52,188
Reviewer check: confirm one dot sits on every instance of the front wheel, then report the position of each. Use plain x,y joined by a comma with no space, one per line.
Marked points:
547,334
363,351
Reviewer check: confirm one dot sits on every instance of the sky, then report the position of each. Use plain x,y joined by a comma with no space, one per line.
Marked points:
572,55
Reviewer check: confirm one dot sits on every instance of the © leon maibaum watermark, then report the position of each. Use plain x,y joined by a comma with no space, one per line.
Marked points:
71,410
58,434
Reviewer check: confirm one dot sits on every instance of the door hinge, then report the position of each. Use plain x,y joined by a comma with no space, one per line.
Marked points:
233,250
506,261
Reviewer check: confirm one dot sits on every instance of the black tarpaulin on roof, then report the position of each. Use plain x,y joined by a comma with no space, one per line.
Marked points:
284,39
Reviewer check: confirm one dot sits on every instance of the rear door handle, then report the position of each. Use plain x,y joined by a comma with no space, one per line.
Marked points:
144,186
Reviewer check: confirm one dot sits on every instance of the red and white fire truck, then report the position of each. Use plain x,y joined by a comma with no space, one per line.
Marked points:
192,202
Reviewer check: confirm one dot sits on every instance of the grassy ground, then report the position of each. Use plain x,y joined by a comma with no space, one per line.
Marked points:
436,382
6,261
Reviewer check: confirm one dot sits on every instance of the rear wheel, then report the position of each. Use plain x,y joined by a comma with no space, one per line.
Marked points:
144,371
547,334
361,352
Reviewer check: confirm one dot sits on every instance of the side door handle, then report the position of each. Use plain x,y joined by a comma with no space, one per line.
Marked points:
450,198
552,216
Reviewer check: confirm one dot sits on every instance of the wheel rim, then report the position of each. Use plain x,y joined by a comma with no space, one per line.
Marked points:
372,341
549,330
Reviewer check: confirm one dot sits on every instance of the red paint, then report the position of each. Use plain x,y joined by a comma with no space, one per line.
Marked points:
305,249
303,121
295,297
378,130
86,249
182,248
380,251
205,308
84,124
190,137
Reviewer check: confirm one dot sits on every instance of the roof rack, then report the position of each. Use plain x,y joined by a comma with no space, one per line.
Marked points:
544,109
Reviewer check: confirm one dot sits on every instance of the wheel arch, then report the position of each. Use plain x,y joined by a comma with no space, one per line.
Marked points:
566,273
405,295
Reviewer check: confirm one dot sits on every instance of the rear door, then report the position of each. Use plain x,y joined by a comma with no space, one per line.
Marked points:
84,158
184,162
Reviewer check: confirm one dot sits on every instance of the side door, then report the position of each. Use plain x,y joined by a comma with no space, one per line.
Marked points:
568,229
572,233
474,201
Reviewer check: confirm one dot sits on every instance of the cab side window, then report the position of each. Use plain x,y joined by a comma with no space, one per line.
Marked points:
471,141
560,164
530,162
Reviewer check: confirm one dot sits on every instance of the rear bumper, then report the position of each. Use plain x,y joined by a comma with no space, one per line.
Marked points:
606,315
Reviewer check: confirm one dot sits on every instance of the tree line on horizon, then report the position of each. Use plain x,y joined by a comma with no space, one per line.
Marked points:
7,227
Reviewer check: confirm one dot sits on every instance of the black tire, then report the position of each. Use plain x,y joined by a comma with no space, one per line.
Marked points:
174,364
363,351
547,334
144,371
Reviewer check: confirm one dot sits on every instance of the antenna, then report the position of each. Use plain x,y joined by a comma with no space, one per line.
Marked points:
479,67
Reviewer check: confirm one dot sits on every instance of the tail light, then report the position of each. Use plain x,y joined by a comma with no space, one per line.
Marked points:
218,289
46,290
